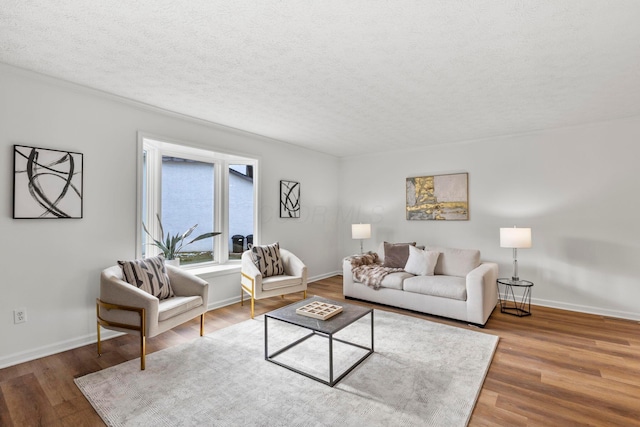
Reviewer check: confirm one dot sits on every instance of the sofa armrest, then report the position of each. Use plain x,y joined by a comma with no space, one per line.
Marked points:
186,284
293,266
250,273
347,278
114,290
482,294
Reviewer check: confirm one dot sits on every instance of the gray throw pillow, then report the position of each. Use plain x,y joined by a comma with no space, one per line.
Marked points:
149,275
396,254
267,259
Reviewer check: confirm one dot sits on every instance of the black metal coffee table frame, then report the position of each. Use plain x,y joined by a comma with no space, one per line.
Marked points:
323,328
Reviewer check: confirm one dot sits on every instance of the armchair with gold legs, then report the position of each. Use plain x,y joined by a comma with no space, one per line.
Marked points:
253,282
126,308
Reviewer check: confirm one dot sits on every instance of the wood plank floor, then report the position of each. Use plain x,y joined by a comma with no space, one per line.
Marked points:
554,368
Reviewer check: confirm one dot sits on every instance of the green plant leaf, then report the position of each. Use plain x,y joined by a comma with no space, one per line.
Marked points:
204,236
160,224
172,245
157,243
188,232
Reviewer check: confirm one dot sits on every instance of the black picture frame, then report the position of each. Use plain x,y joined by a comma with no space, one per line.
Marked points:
289,199
47,183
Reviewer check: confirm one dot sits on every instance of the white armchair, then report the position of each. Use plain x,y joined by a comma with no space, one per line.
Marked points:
294,278
126,308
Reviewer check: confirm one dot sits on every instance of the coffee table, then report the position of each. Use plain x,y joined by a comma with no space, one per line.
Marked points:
323,328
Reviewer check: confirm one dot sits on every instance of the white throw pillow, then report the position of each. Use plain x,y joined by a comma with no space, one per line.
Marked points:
421,263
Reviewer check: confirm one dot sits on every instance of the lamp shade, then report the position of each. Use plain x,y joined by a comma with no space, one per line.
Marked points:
360,231
518,238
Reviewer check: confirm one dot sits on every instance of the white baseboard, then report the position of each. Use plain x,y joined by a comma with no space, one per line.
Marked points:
325,276
586,309
223,303
48,350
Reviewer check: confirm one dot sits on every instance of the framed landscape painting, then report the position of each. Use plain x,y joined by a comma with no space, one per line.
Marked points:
289,199
46,183
438,197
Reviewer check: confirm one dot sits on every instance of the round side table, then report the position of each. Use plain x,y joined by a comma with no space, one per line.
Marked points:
512,302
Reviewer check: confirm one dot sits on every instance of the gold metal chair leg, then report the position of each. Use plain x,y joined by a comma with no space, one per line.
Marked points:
98,327
305,294
241,296
143,351
143,341
99,346
252,306
142,328
202,324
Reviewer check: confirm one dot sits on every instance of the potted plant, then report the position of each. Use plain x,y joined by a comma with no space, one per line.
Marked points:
172,245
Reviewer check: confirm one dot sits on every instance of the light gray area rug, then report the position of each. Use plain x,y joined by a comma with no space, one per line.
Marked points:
421,374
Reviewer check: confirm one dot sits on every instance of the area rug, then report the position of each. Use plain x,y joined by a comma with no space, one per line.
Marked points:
421,374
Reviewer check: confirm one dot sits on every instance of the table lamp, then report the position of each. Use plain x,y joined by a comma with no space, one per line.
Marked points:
360,231
515,238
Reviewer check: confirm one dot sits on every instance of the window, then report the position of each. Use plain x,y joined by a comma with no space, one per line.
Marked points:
185,186
241,206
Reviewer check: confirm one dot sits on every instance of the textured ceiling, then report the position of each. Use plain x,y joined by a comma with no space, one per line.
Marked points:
345,76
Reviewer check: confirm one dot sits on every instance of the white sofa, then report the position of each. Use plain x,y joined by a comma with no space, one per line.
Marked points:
462,287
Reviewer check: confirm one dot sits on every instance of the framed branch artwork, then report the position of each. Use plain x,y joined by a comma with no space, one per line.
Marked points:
438,197
289,199
46,183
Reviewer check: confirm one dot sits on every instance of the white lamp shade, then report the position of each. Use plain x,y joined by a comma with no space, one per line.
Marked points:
519,238
360,231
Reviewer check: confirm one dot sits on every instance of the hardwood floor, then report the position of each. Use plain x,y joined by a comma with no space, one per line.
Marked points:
554,368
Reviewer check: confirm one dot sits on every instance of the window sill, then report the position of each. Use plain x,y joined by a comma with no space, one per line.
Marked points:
214,270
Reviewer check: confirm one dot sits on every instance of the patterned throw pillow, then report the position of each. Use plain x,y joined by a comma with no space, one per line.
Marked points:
149,275
267,259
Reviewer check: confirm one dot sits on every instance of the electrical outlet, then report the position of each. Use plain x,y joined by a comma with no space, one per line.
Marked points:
19,315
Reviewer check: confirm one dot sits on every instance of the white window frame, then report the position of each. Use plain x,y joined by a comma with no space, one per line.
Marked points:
156,148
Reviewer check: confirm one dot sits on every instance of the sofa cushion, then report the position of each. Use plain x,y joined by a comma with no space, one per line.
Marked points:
267,259
438,286
396,254
456,262
282,281
420,262
395,280
149,275
172,307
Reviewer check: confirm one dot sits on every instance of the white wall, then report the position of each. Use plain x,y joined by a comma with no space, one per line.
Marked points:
51,267
577,188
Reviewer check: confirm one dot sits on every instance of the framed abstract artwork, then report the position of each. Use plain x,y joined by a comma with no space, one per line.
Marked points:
438,197
46,183
289,199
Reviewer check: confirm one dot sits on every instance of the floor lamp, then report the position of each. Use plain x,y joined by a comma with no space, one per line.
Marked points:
361,231
515,238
